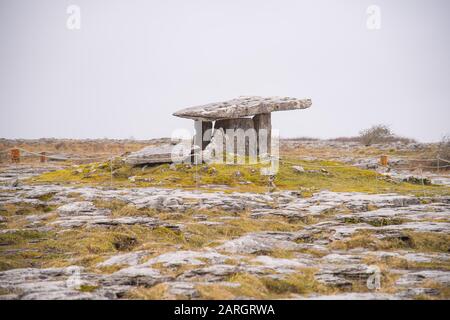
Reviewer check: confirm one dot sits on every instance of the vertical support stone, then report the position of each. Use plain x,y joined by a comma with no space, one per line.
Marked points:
239,134
207,133
263,121
203,131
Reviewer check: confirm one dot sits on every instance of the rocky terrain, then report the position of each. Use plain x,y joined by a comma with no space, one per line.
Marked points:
97,241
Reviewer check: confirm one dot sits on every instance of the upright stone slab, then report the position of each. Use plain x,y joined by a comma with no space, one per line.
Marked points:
202,137
203,132
230,129
263,125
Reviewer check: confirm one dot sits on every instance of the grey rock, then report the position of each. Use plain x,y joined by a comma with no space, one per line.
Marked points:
131,259
355,296
213,273
15,183
152,154
177,258
182,288
343,275
84,208
280,265
413,279
136,276
260,243
298,169
46,284
411,293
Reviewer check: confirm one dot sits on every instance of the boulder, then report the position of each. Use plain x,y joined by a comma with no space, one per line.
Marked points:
298,169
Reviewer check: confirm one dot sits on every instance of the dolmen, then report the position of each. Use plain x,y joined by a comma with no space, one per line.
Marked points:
240,126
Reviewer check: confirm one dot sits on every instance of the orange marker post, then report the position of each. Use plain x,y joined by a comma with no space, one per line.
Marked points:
384,160
15,155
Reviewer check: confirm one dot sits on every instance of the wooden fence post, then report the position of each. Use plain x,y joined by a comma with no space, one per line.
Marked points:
15,155
384,160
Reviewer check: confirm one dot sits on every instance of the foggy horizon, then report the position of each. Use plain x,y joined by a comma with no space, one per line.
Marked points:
133,63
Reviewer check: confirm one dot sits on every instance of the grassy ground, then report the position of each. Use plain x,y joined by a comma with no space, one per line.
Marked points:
89,246
22,248
319,175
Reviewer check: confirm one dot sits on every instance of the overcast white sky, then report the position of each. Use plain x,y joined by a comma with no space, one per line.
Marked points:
133,63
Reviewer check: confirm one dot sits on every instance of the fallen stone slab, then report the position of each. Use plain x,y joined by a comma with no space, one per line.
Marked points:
155,155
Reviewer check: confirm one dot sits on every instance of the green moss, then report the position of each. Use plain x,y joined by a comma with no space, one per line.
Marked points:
83,246
15,260
87,288
3,291
46,197
342,178
21,237
124,242
378,222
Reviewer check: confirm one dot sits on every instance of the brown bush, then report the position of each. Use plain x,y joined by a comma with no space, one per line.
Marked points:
381,134
375,134
443,153
444,148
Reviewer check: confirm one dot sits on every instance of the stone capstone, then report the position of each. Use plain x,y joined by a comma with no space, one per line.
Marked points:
242,107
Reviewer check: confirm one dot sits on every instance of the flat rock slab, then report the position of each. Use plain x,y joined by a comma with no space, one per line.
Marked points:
242,107
151,155
177,258
355,296
64,283
130,259
259,243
